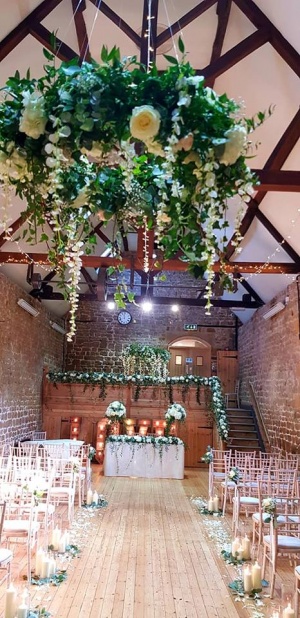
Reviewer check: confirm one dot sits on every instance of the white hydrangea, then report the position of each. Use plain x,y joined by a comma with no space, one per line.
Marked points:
33,119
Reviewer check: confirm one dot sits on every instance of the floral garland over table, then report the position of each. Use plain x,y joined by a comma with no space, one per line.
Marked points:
217,402
153,151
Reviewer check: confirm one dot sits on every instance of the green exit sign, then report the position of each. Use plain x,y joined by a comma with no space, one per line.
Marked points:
190,327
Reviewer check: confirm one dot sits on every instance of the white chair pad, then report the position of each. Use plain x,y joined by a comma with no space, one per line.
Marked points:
294,518
20,525
297,571
5,556
44,508
280,518
248,500
285,542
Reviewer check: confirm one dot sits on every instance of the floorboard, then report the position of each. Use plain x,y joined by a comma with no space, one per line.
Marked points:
146,555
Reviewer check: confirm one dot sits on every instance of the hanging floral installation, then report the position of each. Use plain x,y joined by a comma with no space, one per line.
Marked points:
145,360
151,150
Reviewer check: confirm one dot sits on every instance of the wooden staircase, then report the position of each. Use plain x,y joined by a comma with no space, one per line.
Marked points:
244,434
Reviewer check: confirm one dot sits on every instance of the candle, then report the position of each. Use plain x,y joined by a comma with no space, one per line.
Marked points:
10,602
67,537
248,583
22,611
46,567
246,547
240,553
95,497
210,505
89,497
38,561
62,544
52,566
216,504
256,576
288,612
56,534
235,545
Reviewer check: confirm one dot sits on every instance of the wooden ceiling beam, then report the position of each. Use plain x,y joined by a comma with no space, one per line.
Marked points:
277,40
236,54
19,33
90,282
79,7
188,302
14,227
223,12
94,261
275,161
278,237
184,21
249,289
117,20
63,51
278,180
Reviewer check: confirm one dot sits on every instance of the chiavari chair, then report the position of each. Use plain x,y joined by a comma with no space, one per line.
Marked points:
21,524
282,489
6,554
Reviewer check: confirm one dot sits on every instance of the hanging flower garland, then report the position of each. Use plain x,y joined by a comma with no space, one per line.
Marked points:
157,151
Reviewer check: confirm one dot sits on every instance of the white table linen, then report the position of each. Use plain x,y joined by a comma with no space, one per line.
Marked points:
144,460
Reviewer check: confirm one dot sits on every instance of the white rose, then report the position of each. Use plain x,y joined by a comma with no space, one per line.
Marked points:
144,122
235,144
33,119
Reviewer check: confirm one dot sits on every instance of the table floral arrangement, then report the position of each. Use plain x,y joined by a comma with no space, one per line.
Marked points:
175,412
115,411
68,148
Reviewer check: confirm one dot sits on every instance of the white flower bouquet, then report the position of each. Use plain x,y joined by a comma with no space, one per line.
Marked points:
92,453
208,456
269,507
115,411
175,412
234,475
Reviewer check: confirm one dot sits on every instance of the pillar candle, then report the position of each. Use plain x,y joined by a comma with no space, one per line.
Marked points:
46,567
246,544
95,497
288,612
89,497
210,505
22,611
38,561
256,576
10,602
52,566
240,553
235,545
216,504
62,544
67,537
56,534
248,583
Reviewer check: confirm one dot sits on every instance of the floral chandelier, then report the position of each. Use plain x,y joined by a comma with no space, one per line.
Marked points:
153,150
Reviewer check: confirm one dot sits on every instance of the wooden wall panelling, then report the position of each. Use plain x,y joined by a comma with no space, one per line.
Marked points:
227,369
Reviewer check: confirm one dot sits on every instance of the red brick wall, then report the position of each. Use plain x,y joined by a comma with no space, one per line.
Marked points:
269,353
99,339
27,344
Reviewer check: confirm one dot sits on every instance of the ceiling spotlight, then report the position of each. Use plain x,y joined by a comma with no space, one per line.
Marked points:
147,306
174,308
111,305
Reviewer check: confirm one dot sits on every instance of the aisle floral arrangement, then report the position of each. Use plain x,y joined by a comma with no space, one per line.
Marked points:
68,148
115,411
213,385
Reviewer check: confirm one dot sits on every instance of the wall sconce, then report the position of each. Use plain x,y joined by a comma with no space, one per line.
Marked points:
29,308
58,328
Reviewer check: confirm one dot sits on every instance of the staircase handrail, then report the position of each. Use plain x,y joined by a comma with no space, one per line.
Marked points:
259,416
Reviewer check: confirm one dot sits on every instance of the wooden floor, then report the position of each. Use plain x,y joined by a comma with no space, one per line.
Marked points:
146,555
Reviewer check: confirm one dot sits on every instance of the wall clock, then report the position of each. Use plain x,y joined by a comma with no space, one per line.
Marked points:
124,317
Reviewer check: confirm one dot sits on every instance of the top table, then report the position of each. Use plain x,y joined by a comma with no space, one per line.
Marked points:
144,460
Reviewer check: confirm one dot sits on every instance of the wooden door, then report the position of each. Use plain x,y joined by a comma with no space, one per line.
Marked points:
227,369
195,361
197,439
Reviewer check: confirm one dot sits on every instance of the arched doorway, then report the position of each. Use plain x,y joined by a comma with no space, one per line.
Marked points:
190,355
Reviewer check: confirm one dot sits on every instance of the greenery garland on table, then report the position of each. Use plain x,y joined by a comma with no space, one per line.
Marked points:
217,402
68,147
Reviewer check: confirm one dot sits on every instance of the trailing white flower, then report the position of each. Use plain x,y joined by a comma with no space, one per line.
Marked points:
236,141
33,119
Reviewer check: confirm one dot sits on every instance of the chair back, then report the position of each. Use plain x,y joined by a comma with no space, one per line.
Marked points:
2,516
